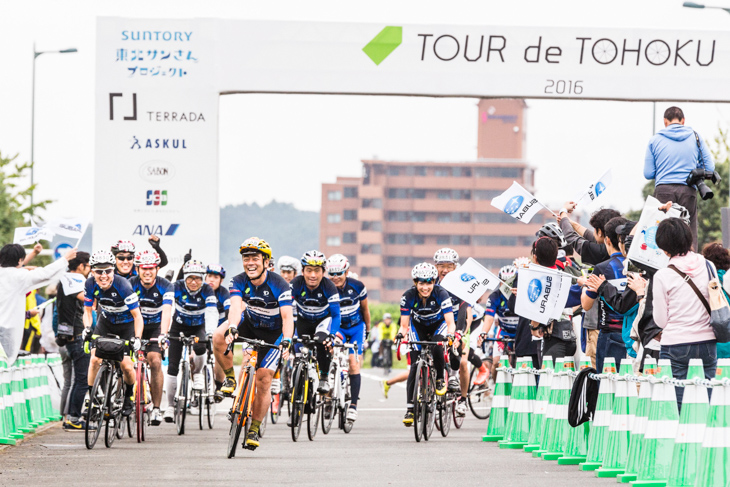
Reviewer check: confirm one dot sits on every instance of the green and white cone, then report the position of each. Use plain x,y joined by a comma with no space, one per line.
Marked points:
691,431
500,403
562,428
6,407
622,419
521,406
20,405
550,413
713,469
537,427
641,420
656,450
601,419
576,444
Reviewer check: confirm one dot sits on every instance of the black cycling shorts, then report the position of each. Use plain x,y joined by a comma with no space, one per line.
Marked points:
268,358
152,331
124,331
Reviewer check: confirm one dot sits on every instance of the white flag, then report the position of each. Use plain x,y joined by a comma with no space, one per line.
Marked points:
31,235
69,227
644,249
518,203
73,283
470,281
541,293
596,189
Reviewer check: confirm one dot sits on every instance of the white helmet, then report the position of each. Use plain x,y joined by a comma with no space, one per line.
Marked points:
287,263
194,267
337,264
445,256
102,258
424,272
313,258
507,272
147,259
521,262
123,246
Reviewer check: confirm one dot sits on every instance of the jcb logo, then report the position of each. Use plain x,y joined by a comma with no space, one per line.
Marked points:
156,197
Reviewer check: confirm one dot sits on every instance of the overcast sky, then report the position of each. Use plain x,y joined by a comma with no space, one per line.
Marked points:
300,141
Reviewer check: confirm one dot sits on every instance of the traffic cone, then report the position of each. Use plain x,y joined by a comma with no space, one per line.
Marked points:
20,405
521,406
640,421
9,400
550,413
5,408
713,469
500,403
537,426
619,430
601,419
575,448
656,450
31,393
561,427
691,431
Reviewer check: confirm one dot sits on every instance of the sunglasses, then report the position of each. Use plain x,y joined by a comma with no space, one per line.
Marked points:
128,257
101,272
425,281
336,274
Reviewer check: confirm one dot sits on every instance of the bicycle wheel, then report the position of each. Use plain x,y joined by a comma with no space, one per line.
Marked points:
238,416
479,397
262,427
97,407
419,399
458,420
181,406
346,425
315,410
199,395
329,404
139,391
297,400
428,408
444,415
131,425
210,405
115,398
275,408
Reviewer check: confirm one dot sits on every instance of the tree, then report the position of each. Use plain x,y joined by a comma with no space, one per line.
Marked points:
15,207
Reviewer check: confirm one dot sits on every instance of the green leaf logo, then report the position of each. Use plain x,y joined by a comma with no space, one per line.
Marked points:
248,290
384,44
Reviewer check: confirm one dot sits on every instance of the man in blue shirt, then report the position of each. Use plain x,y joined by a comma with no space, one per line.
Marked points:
671,156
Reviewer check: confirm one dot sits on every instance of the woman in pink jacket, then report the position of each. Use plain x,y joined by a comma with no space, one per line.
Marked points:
677,308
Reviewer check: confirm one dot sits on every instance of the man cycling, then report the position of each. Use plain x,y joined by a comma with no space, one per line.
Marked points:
155,296
196,314
214,275
354,320
318,309
260,309
124,251
118,313
426,315
288,267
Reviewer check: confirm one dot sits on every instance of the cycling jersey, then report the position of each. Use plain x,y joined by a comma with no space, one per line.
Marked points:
264,302
613,271
351,294
223,302
431,312
386,332
115,303
317,304
151,300
131,274
190,307
497,305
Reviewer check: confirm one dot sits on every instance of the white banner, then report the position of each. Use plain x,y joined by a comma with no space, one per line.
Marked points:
644,248
518,203
470,281
73,283
31,235
541,293
68,227
596,189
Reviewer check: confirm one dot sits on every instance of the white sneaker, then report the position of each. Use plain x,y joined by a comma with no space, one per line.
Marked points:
351,415
454,383
275,386
193,410
461,408
198,382
169,415
156,417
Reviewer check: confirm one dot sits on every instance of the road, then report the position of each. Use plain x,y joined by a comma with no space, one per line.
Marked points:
379,451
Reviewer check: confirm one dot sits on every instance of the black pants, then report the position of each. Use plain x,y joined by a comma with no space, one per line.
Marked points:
80,385
556,348
323,356
682,195
176,346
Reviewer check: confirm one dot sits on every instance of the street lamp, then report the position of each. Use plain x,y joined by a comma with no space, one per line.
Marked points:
32,116
699,5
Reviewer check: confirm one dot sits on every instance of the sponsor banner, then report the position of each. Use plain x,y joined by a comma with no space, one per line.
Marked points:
541,293
470,281
644,248
596,189
31,235
518,203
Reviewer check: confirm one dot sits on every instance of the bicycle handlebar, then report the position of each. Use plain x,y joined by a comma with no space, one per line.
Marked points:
398,343
250,341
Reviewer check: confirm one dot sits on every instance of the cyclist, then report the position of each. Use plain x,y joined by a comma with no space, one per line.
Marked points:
123,252
214,275
497,313
196,314
155,296
288,267
354,320
387,330
261,308
118,313
426,314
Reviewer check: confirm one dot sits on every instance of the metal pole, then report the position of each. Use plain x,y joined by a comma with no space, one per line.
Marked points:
32,132
653,118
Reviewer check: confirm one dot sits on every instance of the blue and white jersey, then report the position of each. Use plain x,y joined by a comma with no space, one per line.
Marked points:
497,305
351,294
151,300
314,305
114,303
132,273
190,307
264,302
428,313
223,302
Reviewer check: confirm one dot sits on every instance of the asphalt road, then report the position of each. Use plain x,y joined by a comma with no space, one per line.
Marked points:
378,451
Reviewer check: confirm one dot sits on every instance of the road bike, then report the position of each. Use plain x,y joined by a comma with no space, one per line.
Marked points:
184,378
337,402
142,394
304,397
205,397
277,400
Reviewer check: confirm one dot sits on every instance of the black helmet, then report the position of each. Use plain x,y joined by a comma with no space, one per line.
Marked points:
553,231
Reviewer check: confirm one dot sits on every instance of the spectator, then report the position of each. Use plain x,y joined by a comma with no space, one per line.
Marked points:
31,341
671,156
588,244
718,255
15,283
678,310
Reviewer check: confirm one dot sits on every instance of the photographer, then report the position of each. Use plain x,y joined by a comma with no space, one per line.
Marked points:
679,162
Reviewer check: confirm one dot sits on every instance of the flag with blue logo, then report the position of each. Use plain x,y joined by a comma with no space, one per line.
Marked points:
596,189
541,293
518,203
644,248
69,227
31,235
470,281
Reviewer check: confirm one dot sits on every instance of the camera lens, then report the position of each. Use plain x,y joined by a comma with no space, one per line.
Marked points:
705,191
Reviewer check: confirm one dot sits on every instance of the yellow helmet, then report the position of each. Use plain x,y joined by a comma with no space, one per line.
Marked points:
255,245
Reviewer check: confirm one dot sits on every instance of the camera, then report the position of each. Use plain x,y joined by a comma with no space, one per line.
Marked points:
698,177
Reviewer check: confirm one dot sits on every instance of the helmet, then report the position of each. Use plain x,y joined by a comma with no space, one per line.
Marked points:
193,267
255,245
446,255
521,262
102,258
386,316
552,230
123,246
313,258
147,259
424,272
683,212
337,264
287,263
216,269
507,272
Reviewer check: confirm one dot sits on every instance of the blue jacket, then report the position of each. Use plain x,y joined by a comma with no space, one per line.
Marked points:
672,154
